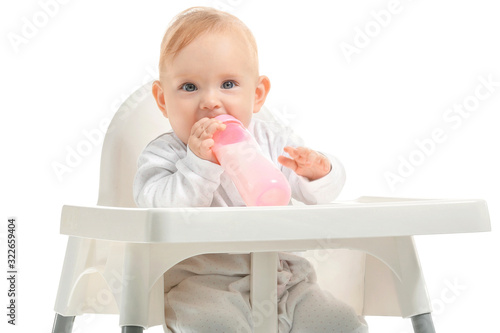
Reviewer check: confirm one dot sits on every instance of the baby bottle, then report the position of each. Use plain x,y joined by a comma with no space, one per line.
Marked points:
258,180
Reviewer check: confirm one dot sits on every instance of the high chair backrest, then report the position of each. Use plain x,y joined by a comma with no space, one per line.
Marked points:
137,122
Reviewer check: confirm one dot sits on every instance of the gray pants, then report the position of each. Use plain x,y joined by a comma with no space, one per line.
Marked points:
210,293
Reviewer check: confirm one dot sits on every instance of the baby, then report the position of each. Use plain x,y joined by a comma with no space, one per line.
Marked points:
208,67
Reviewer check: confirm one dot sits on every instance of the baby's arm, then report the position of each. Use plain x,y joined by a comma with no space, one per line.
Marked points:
170,175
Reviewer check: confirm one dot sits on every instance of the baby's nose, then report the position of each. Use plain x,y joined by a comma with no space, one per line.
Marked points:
210,101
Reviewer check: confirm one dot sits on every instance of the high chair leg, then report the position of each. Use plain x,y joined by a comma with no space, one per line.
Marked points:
423,323
63,324
132,329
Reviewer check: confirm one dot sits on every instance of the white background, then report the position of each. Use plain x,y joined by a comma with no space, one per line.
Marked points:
73,71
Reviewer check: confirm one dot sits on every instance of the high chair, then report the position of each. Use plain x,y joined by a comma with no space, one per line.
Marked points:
117,254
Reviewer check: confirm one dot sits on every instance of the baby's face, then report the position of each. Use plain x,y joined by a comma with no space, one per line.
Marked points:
215,74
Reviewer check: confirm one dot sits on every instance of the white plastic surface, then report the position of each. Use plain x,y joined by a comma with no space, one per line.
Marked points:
116,257
276,225
263,296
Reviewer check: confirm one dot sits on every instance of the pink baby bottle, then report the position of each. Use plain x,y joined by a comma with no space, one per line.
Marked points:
258,180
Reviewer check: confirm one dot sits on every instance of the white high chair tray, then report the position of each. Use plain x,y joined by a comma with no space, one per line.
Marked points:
363,218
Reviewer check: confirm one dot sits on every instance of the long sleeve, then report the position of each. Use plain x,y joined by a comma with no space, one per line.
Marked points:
170,175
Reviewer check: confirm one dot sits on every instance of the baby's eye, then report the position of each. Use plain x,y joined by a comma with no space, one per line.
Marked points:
189,87
228,85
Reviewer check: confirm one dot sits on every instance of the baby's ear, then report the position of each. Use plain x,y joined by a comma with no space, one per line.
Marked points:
159,97
263,87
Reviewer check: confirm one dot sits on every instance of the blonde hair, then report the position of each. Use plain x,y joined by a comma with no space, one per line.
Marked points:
195,21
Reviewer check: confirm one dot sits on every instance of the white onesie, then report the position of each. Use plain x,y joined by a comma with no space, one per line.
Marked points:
210,293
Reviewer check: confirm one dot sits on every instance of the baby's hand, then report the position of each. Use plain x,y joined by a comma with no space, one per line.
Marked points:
200,140
306,162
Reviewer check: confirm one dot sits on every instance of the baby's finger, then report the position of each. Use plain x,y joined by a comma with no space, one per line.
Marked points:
208,128
305,156
199,127
206,145
291,151
214,126
288,162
